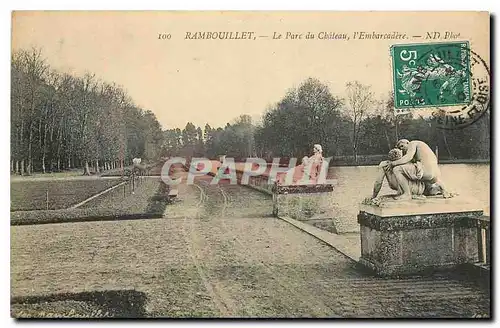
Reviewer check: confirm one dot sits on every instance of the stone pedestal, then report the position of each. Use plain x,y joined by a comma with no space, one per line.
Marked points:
309,203
415,236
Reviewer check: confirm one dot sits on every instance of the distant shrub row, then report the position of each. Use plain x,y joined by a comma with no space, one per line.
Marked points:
128,171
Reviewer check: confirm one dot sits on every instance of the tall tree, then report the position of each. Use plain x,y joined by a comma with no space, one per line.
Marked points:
61,121
304,116
189,137
359,105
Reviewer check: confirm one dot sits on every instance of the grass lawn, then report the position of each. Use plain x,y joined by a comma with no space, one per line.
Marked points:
148,200
32,195
147,197
148,256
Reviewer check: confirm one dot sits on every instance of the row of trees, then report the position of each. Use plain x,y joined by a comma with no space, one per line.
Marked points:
236,139
357,124
60,121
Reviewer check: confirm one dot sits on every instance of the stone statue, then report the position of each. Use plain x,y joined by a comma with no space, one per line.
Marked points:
313,164
308,170
317,156
413,171
137,167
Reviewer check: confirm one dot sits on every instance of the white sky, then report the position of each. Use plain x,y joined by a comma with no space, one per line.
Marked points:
207,81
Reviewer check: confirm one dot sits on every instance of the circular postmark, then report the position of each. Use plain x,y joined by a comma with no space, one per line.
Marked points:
456,83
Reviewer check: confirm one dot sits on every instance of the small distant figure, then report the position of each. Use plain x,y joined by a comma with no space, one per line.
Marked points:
138,169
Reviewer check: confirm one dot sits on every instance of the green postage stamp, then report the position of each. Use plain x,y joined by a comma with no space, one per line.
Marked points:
431,75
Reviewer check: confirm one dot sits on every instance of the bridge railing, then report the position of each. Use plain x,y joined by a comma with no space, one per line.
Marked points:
483,239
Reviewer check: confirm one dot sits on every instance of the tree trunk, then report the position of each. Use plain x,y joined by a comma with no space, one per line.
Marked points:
40,140
388,140
59,145
22,147
86,168
29,168
30,140
43,162
44,149
446,145
17,167
354,142
97,166
397,129
11,166
51,145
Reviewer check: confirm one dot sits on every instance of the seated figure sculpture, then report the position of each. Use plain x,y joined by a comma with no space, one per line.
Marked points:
416,186
309,169
412,179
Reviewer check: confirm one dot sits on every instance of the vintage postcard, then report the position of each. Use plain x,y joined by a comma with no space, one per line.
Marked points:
238,164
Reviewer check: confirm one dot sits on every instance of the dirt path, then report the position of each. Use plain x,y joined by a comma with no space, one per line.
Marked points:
219,253
256,265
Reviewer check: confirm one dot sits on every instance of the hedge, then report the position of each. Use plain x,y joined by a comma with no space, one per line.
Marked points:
127,170
77,215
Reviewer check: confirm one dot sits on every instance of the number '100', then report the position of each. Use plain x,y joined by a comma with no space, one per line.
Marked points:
164,36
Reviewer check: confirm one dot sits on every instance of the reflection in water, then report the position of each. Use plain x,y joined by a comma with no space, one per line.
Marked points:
356,183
